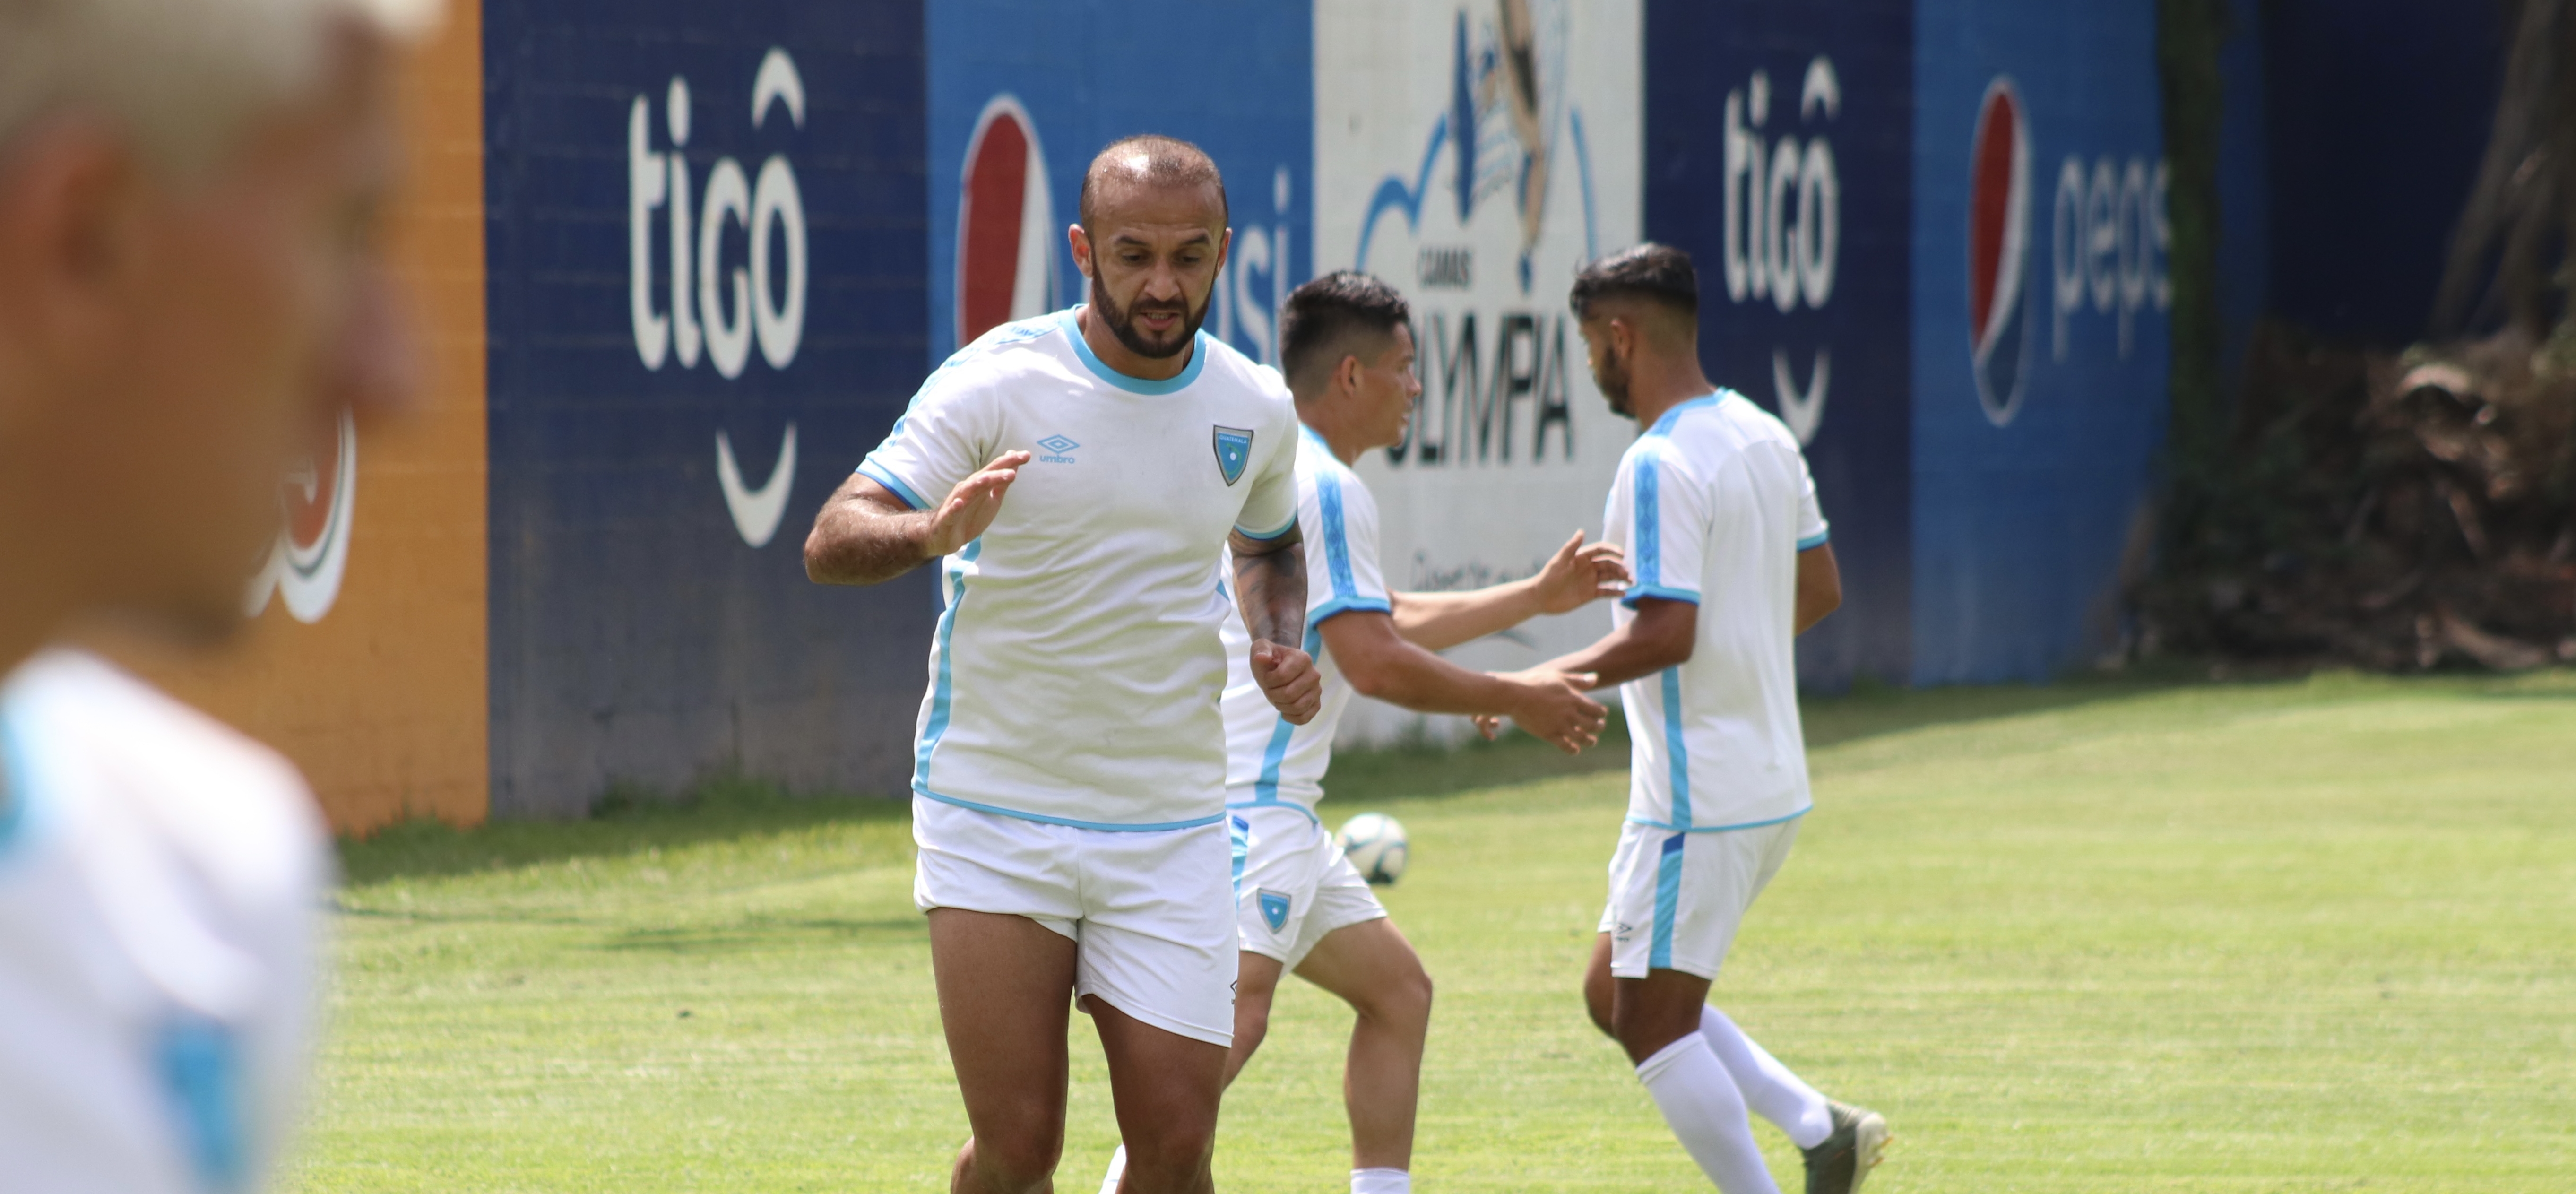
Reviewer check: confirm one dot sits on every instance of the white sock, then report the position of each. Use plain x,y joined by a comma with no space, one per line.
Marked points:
1117,1171
1768,1087
1706,1112
1381,1181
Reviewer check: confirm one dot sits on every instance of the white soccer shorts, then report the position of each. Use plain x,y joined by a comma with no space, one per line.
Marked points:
1296,885
1676,899
1147,911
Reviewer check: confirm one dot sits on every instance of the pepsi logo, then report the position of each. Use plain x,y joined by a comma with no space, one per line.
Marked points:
2111,236
1999,251
1006,231
311,553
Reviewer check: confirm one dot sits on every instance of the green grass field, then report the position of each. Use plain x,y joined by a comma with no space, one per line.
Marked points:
2105,936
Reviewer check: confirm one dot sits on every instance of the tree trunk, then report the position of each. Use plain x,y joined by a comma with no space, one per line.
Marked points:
2509,255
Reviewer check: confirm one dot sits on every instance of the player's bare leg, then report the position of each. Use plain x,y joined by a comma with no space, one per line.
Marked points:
1005,986
1643,1014
1656,1019
1649,1017
1256,984
1374,969
1165,1087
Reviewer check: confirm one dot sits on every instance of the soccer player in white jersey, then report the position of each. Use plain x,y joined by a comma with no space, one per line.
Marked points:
1347,342
1719,516
188,300
1069,783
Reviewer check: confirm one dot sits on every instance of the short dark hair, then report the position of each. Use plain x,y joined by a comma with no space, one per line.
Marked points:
1169,161
1659,274
1323,316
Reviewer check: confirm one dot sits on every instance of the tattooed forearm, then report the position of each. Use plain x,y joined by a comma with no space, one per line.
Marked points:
1270,587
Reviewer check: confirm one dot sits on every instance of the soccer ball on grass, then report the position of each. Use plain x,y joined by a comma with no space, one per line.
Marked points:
1376,845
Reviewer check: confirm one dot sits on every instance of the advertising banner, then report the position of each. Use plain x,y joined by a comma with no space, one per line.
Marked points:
707,303
1475,154
2040,316
1780,140
365,660
683,265
1022,93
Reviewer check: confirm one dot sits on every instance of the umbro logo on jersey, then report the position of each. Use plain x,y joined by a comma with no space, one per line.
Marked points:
1233,451
1058,449
1274,909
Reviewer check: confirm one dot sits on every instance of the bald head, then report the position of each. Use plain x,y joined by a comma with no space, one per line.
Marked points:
1147,161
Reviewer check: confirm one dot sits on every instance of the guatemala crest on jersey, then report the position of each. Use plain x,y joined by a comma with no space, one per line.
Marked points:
1233,451
1274,908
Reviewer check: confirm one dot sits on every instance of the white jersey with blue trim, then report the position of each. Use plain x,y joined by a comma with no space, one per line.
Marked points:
1713,504
1268,760
161,888
1076,669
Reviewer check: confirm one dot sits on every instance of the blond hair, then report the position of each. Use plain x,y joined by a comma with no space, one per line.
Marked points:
182,76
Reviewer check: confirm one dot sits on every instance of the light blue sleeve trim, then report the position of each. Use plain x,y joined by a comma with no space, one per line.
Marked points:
1815,541
1637,593
1643,823
873,471
1258,537
999,811
1346,605
1072,325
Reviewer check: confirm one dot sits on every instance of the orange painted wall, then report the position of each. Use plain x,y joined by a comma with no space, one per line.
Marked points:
384,701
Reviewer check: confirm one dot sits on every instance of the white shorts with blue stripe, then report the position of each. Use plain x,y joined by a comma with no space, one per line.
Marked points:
1676,899
1292,886
1148,910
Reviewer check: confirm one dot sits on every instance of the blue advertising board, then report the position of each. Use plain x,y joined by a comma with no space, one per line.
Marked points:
1022,93
705,257
2040,299
1779,154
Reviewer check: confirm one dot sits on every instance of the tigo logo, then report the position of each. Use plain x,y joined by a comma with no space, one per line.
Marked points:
1998,251
716,311
1006,227
1784,224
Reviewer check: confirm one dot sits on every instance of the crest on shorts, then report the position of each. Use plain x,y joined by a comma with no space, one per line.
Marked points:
1233,451
1274,909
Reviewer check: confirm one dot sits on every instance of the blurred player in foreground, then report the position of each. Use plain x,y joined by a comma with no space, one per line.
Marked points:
1069,789
189,298
1716,509
1347,342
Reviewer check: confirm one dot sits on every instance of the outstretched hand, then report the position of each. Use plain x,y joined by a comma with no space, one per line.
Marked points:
1288,677
1578,573
1554,709
972,506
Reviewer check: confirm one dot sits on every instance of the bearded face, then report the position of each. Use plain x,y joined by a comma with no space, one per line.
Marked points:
1609,365
1133,328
